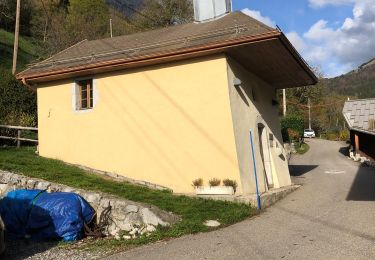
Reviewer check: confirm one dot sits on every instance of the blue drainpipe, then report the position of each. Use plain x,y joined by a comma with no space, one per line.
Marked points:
255,169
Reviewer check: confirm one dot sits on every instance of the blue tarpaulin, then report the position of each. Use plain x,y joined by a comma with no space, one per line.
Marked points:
39,215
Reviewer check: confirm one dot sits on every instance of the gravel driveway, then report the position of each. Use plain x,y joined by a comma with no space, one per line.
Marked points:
331,217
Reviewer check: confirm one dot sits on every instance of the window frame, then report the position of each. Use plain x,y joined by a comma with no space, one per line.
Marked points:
79,85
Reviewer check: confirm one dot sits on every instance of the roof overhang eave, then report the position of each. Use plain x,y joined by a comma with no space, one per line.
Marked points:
362,131
162,57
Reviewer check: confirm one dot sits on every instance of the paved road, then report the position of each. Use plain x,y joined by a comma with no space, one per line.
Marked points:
332,216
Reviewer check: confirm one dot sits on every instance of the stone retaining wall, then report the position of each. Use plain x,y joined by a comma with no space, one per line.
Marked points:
126,216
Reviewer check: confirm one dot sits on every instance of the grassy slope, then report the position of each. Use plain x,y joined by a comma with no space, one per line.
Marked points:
27,51
302,148
194,211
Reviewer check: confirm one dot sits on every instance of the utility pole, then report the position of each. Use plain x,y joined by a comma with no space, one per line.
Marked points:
309,105
110,26
284,102
16,34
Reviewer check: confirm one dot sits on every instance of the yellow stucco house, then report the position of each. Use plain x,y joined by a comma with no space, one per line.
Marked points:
172,105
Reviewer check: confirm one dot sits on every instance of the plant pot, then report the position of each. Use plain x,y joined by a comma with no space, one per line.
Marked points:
215,190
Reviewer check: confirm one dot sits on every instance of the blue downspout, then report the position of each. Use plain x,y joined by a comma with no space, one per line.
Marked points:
255,169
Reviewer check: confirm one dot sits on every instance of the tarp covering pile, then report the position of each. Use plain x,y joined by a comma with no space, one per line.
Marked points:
39,215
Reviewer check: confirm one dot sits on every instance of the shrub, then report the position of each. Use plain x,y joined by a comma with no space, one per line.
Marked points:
332,136
214,182
17,102
198,183
230,183
293,135
292,123
344,135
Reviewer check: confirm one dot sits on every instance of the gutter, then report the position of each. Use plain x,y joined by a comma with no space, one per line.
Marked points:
361,131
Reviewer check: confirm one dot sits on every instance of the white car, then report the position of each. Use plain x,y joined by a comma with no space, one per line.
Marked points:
309,133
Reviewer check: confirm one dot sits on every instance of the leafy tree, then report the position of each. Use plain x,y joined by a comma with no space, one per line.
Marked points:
17,102
87,19
162,13
62,23
8,16
292,126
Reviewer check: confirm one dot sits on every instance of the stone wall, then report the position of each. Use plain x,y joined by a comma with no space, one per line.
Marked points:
129,217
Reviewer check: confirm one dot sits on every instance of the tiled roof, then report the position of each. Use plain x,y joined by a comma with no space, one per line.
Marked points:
230,27
360,114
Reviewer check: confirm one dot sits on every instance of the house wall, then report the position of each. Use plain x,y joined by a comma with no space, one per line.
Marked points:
166,124
366,142
251,104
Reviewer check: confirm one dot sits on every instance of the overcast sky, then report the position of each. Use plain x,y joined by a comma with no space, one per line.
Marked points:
335,35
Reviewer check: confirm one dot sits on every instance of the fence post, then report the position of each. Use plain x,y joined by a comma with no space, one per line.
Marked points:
18,138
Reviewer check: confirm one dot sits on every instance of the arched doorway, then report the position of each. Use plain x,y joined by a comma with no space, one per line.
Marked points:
265,154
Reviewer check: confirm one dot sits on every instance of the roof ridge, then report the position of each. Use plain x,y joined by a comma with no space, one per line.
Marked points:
256,21
362,99
182,25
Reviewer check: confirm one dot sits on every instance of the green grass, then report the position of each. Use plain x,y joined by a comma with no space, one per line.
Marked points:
193,211
301,148
27,51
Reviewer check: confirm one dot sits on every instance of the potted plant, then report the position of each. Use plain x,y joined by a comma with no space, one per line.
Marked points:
197,183
214,188
230,183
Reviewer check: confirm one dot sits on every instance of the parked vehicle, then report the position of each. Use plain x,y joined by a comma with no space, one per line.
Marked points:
309,133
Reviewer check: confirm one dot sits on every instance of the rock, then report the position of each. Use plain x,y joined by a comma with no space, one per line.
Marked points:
126,237
149,218
31,184
125,215
134,231
133,219
131,208
67,189
150,228
42,185
4,189
92,198
211,223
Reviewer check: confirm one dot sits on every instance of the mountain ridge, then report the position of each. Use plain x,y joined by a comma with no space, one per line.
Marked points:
358,83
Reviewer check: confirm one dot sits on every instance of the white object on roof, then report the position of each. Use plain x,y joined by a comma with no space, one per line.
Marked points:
206,10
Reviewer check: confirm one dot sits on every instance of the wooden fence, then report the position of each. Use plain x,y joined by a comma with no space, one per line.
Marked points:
18,138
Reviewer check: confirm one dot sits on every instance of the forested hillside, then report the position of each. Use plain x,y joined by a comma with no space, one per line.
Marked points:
359,83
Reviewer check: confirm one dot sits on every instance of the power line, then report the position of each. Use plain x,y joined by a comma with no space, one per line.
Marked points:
136,11
312,106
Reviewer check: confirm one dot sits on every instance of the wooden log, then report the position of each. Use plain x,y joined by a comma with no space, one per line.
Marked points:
19,127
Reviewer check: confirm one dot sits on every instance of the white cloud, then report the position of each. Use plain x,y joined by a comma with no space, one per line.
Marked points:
297,41
338,50
319,31
257,15
322,3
